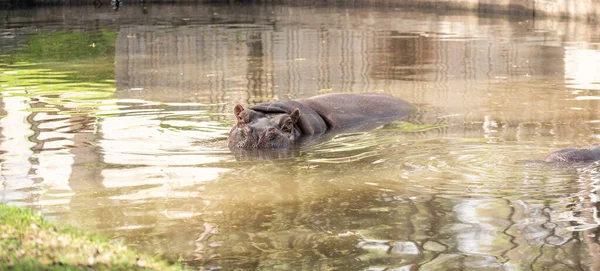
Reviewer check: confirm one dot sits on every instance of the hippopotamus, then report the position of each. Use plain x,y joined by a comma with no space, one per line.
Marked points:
573,155
283,124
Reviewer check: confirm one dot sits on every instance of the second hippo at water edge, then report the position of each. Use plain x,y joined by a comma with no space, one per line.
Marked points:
571,155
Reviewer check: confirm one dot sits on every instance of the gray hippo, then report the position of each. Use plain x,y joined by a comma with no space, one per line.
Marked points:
571,155
287,123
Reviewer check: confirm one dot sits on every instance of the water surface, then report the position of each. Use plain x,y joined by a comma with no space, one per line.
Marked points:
116,122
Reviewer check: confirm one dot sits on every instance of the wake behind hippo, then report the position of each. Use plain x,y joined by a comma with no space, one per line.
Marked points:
286,123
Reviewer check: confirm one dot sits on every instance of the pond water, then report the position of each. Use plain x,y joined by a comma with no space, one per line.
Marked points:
116,122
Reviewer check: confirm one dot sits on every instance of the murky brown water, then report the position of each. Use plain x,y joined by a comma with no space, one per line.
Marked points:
116,122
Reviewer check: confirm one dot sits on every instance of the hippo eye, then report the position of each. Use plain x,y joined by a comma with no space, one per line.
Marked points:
287,127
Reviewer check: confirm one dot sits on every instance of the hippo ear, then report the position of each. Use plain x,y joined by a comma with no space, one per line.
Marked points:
290,122
295,115
237,110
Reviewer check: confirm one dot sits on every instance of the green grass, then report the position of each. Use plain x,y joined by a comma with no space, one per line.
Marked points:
29,242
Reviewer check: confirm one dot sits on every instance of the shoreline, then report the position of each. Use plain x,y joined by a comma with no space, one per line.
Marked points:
586,10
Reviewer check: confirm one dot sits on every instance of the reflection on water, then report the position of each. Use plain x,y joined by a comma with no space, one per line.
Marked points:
116,122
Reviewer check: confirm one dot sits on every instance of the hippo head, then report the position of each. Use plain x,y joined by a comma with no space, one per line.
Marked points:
259,130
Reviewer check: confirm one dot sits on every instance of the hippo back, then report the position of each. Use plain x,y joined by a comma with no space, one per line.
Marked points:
571,155
344,111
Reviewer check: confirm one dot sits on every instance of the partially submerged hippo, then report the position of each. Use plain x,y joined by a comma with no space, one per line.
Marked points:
571,155
286,123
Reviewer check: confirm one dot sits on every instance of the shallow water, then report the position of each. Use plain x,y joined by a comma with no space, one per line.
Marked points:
116,122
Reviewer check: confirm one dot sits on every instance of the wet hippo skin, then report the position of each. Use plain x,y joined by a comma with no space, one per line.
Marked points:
571,155
285,123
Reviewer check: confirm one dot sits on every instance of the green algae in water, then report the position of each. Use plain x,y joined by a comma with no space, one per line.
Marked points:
65,46
61,68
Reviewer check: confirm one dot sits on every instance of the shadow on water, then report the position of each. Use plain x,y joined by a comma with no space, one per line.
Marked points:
116,122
